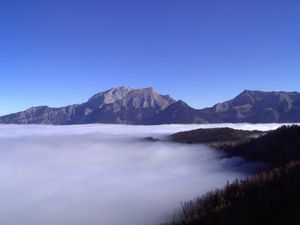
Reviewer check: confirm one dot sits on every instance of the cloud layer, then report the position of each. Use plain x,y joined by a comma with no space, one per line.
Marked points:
105,174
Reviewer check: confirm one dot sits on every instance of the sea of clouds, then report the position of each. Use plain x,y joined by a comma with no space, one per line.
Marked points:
106,174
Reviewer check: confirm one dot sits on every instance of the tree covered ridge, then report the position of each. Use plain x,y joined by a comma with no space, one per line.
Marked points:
276,147
271,197
268,198
215,137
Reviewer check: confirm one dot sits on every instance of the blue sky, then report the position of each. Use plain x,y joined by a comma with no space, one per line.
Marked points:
58,52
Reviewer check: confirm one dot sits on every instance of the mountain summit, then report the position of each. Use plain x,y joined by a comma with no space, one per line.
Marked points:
117,105
127,105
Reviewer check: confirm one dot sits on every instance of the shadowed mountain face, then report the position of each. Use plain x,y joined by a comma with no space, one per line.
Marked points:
181,113
145,106
178,112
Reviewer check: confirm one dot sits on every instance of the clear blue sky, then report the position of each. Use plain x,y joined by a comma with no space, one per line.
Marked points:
58,52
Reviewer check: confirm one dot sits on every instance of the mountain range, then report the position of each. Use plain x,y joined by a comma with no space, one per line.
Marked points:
124,105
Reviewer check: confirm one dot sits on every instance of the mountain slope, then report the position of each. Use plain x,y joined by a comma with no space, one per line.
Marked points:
249,106
268,198
117,105
181,113
259,107
125,105
145,106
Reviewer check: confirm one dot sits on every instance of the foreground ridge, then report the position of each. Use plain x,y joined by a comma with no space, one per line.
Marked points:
267,198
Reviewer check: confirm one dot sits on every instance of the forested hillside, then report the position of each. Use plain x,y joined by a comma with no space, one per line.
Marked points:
271,197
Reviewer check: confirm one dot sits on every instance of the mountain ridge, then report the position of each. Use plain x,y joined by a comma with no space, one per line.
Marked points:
126,105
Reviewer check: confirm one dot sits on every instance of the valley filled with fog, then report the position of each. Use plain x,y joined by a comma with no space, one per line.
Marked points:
106,174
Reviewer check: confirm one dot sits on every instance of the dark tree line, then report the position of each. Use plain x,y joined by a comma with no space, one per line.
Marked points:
276,147
214,136
271,197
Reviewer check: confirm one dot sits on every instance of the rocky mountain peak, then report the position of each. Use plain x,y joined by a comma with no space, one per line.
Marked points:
146,106
126,105
129,96
120,89
109,96
249,92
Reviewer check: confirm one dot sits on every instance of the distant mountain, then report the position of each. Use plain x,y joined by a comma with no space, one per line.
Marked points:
117,105
259,107
145,106
248,106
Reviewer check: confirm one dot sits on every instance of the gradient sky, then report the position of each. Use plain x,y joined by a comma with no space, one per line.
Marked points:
58,52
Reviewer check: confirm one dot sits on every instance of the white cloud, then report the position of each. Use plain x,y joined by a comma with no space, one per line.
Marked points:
104,174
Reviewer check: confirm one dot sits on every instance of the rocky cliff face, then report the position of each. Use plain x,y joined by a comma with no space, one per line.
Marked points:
125,105
117,105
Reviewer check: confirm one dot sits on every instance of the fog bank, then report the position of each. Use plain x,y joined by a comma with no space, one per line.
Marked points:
105,174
